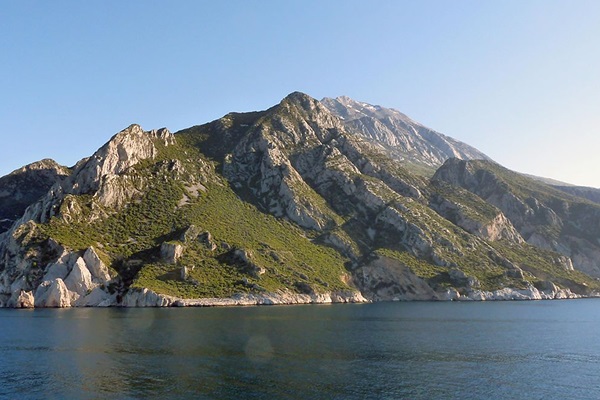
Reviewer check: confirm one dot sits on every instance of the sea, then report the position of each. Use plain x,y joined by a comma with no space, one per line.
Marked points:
402,350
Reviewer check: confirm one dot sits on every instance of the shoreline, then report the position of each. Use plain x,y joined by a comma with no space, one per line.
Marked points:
144,298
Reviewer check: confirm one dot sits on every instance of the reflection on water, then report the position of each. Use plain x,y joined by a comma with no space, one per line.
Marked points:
386,350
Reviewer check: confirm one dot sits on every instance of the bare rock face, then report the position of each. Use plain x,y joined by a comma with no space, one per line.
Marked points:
282,189
97,298
264,156
123,151
25,300
79,279
171,252
25,186
389,279
146,298
500,228
59,269
402,136
97,268
53,294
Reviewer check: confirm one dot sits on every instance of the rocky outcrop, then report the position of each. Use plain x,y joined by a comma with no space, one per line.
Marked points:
79,280
530,293
171,252
96,266
124,150
386,279
74,280
25,186
491,224
148,298
242,260
53,294
405,138
349,179
545,217
25,300
260,157
103,175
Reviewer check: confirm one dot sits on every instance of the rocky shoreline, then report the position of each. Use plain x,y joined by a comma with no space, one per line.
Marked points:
148,298
142,298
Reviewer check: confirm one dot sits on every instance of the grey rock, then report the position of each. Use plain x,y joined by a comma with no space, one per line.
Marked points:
171,252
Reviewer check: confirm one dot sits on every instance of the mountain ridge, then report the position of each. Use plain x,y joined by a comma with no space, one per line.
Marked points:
399,133
293,205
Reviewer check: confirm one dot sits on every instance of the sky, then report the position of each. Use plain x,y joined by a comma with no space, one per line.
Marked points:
517,79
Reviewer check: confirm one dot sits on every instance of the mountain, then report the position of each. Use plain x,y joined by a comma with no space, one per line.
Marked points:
589,193
24,186
545,216
401,137
294,204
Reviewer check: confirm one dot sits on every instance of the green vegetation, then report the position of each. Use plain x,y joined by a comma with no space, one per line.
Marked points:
468,204
523,186
230,245
130,238
544,265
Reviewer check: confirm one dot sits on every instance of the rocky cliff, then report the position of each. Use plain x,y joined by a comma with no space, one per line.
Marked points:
544,216
295,204
404,138
24,186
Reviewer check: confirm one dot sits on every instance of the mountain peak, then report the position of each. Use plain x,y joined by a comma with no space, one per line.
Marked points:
407,139
45,164
307,198
297,96
300,99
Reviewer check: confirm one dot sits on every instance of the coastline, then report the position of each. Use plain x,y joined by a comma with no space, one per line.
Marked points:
143,297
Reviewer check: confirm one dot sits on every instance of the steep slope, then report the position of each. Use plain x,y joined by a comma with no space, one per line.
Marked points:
588,193
146,212
24,186
297,160
545,216
402,137
280,206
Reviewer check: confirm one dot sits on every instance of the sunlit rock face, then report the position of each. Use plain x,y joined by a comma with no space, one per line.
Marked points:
306,202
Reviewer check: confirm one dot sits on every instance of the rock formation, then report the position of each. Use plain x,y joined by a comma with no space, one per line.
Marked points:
308,201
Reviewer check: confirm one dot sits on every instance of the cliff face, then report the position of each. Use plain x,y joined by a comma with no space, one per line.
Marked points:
545,217
292,204
38,270
402,137
24,186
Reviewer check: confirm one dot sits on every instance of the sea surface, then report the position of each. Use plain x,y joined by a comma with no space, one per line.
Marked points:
443,350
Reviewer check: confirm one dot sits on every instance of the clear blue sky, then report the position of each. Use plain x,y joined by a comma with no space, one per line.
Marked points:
519,80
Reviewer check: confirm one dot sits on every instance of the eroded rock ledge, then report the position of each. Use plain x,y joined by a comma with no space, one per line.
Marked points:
147,298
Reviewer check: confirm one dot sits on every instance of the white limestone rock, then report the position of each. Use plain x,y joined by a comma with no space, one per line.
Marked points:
56,270
53,294
146,298
24,300
171,252
97,298
97,268
385,279
79,279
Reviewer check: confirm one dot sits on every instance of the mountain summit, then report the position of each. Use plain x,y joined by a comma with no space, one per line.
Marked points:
404,138
308,201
